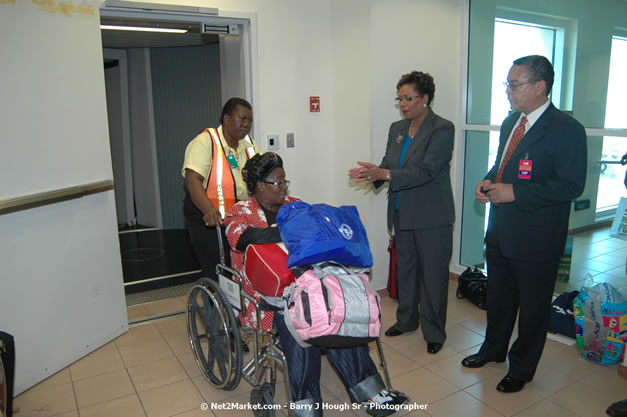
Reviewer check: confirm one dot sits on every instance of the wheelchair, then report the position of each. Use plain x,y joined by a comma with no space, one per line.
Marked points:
218,339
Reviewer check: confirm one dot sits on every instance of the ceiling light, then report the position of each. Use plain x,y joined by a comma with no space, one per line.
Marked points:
143,29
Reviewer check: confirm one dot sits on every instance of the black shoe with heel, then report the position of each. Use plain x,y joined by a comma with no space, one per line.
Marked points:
433,347
393,331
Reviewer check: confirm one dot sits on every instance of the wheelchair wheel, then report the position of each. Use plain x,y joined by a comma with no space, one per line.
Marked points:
263,395
214,335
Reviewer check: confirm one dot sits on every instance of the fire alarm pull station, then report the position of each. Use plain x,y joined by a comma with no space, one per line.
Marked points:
314,104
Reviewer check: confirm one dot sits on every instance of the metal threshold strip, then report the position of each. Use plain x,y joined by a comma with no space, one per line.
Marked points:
142,281
155,317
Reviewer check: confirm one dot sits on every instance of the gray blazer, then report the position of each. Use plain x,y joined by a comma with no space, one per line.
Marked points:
423,181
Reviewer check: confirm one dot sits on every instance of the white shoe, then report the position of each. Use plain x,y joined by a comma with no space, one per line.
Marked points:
385,403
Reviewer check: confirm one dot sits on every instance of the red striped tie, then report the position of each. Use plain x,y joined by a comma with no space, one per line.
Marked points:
516,138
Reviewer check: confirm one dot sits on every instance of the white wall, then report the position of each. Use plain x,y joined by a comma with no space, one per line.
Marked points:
62,293
294,63
351,117
406,35
61,290
351,53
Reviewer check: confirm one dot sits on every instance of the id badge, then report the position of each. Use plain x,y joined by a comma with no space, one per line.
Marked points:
524,169
232,161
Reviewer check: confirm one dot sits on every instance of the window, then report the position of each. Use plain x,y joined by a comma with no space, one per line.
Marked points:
513,39
590,84
611,172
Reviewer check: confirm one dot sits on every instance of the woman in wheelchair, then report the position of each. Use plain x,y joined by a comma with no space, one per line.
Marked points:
253,221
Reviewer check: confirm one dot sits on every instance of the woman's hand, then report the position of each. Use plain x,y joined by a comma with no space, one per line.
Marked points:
212,217
367,172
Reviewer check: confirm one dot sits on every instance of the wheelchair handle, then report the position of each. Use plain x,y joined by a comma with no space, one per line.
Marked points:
219,232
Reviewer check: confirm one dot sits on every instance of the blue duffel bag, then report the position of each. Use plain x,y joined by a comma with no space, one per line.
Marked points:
320,232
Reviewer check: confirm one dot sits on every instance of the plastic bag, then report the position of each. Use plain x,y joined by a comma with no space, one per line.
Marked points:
601,322
319,232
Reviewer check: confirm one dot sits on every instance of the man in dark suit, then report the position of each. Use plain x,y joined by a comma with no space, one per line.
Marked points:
540,167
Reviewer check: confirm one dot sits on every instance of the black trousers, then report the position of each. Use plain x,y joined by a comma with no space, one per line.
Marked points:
204,240
523,287
7,355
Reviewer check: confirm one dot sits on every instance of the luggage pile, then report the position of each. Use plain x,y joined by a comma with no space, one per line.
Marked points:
323,275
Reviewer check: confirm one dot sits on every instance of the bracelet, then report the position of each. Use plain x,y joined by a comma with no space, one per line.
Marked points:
388,176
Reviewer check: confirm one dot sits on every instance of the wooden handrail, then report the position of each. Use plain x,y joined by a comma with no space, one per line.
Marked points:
30,201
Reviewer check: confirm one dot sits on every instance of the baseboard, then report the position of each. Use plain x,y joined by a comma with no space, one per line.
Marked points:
561,339
598,225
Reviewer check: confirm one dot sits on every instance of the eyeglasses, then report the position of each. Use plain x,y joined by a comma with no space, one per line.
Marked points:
407,99
514,86
278,183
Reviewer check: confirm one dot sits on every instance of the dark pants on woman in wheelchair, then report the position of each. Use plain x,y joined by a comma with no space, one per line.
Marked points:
359,374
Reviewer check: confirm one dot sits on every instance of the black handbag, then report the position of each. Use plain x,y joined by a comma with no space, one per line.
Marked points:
562,319
7,372
473,286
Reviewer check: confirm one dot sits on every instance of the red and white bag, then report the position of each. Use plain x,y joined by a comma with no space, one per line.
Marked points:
265,266
330,306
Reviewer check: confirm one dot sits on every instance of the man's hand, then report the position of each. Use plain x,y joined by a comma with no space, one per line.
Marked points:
500,193
480,191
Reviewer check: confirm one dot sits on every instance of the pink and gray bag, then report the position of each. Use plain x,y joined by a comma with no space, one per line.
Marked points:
331,306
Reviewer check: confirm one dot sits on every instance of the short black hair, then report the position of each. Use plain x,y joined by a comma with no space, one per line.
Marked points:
259,167
231,104
422,81
540,69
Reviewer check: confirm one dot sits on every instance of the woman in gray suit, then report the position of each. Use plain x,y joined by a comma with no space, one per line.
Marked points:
421,211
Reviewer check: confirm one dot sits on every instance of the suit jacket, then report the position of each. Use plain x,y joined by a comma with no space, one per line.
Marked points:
423,181
535,225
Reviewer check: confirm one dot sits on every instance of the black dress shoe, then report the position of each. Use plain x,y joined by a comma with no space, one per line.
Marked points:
393,331
476,361
433,347
510,384
618,409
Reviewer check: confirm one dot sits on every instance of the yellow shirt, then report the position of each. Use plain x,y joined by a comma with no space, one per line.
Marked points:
198,157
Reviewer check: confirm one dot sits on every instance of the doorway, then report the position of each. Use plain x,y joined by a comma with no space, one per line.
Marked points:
162,90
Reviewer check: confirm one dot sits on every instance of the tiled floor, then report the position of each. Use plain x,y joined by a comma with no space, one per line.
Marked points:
150,371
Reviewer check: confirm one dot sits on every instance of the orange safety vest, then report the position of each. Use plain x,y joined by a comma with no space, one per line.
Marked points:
221,188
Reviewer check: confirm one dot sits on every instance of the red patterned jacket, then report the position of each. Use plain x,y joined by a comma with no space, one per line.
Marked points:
244,214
